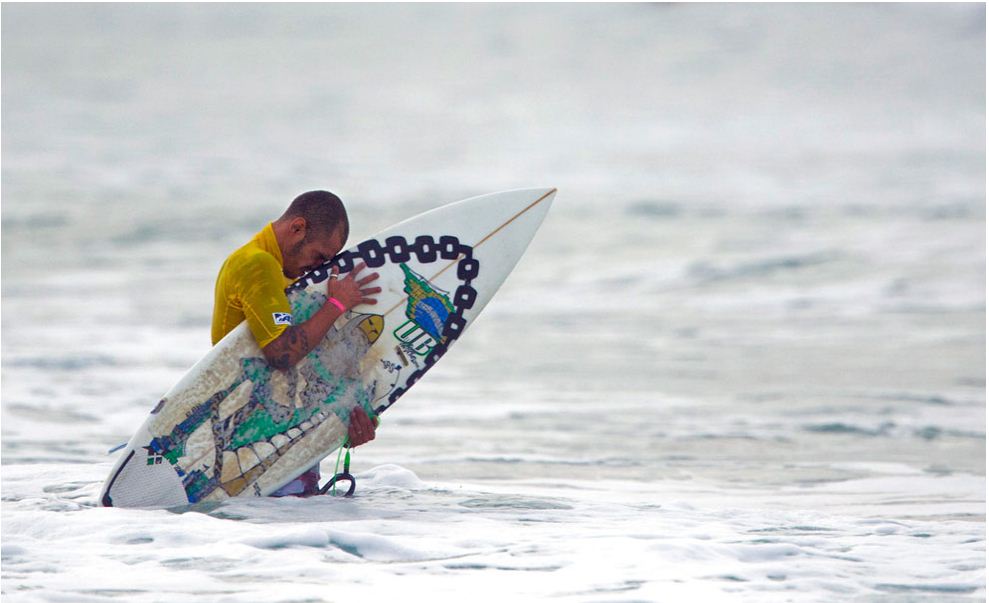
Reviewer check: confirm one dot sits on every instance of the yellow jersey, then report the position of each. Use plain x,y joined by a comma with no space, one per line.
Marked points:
251,286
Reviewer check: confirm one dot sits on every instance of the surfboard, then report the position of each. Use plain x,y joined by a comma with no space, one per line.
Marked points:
234,426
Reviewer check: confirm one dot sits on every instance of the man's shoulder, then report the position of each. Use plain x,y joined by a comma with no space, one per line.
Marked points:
249,258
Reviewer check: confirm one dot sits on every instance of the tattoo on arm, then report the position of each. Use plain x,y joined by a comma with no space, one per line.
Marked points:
289,348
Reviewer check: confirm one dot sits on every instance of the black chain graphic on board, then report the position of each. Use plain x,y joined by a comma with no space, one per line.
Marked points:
427,250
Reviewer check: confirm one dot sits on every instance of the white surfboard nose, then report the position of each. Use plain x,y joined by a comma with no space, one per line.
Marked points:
531,207
544,200
520,211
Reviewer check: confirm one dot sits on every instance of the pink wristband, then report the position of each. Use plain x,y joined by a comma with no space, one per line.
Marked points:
336,302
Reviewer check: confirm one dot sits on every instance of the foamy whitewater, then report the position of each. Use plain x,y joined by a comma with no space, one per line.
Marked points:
743,360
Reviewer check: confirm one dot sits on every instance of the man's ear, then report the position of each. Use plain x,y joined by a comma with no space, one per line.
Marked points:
298,225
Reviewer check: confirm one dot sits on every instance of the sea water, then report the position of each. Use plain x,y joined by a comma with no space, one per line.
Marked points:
743,359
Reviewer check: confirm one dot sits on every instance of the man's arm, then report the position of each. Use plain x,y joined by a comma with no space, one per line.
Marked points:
296,341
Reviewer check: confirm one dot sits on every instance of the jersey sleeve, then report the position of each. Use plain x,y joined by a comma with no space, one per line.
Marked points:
259,283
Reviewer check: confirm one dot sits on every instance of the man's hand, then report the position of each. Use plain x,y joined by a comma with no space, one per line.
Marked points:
350,291
361,427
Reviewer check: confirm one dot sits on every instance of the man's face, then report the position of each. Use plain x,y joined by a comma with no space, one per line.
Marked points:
313,250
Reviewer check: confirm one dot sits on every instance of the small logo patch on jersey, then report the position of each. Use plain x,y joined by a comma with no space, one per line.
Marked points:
282,318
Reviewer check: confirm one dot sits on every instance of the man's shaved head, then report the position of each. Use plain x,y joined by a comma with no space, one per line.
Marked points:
323,212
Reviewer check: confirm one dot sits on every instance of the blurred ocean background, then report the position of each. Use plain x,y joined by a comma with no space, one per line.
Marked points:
744,358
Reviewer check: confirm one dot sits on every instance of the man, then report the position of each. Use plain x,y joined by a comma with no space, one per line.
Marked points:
251,286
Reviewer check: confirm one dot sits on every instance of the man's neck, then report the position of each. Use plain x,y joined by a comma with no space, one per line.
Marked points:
281,230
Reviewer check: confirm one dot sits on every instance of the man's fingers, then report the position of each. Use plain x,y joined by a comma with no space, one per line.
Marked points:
357,268
367,279
367,427
362,429
371,291
359,418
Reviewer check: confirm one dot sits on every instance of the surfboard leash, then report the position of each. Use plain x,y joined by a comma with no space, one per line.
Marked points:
341,476
331,486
